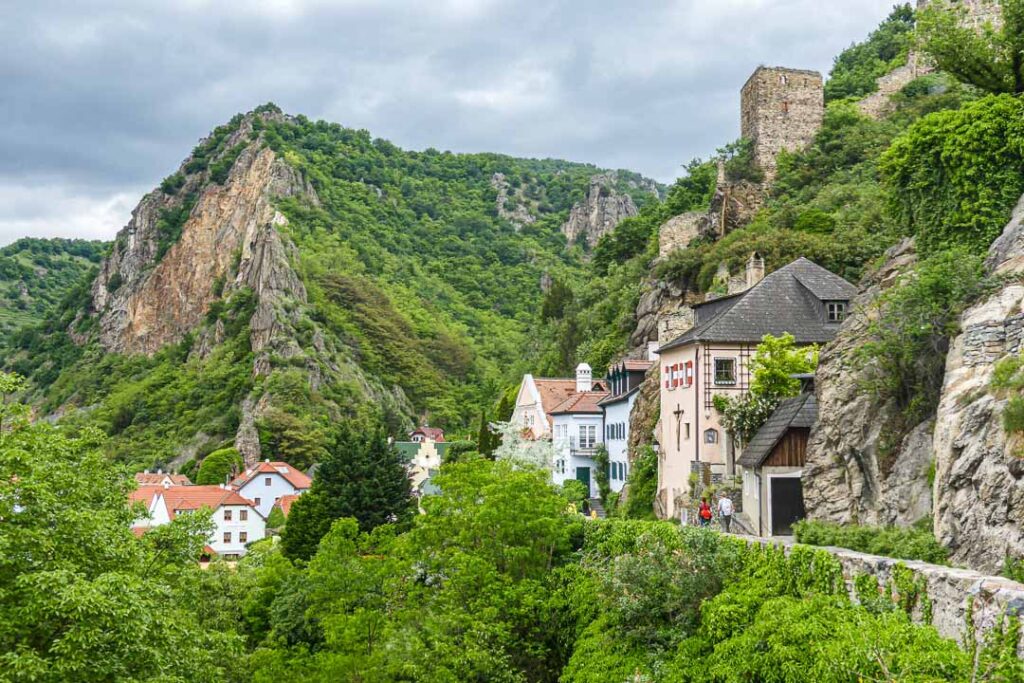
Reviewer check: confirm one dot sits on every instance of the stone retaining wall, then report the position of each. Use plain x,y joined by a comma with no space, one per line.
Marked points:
950,589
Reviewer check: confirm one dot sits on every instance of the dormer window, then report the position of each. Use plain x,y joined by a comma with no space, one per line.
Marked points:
836,311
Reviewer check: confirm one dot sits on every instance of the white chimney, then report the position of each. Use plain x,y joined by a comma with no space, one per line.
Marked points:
584,378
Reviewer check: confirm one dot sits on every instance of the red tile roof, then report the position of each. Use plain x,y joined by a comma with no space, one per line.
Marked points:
644,365
154,478
432,433
145,495
554,391
583,402
285,503
297,478
195,497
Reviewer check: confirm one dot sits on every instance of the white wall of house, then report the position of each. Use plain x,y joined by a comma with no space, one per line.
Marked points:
573,452
616,438
236,525
528,411
265,488
757,487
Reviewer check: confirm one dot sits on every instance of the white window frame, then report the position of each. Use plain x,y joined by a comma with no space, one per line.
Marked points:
735,371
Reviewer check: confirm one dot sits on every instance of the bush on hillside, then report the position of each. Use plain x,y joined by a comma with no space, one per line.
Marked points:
954,177
904,543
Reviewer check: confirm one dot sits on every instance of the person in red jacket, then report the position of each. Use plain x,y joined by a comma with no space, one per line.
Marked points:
704,512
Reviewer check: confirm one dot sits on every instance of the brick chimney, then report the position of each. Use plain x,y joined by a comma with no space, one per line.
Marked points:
755,269
584,378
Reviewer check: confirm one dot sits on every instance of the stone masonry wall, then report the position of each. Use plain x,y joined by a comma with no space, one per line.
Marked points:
950,590
780,109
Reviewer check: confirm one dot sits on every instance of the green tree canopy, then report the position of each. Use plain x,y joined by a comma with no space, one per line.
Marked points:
990,57
218,467
362,477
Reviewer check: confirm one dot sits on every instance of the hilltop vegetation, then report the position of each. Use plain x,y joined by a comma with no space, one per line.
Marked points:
36,274
422,296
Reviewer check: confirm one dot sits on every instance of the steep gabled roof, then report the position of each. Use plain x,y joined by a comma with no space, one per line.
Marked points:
432,433
612,399
157,478
284,503
583,403
788,300
799,411
553,392
178,498
297,478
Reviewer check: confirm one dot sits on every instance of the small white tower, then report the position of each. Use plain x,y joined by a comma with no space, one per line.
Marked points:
584,378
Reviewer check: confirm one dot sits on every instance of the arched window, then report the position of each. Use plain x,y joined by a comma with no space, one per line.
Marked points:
710,436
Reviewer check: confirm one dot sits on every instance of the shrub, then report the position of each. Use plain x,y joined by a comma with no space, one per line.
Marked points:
899,542
643,485
954,177
218,466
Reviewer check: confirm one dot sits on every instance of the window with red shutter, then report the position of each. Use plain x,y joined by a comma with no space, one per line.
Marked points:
675,375
666,376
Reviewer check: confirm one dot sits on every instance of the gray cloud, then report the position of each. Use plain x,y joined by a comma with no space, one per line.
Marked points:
101,101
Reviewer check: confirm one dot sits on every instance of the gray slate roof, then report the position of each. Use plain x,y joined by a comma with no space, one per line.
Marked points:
788,300
798,411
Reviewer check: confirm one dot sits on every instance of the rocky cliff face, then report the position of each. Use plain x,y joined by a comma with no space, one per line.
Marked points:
979,473
511,203
599,212
228,240
852,474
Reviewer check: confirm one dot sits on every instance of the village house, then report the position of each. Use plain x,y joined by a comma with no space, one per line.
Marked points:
160,478
421,434
713,358
537,397
773,463
236,520
265,482
422,456
623,379
578,431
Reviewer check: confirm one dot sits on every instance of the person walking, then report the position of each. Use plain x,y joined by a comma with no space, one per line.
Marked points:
704,512
725,512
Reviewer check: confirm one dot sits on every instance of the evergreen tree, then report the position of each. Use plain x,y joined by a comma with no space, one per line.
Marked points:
364,479
486,440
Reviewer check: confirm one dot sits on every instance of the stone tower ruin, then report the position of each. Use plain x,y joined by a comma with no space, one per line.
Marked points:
780,109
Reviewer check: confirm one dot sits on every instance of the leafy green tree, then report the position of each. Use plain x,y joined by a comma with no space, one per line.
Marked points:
487,441
80,597
642,485
219,467
775,362
989,57
857,69
362,477
772,367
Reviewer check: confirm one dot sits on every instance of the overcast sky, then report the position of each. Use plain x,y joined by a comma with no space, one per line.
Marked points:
102,99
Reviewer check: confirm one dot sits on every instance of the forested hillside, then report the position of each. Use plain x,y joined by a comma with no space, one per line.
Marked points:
383,284
36,274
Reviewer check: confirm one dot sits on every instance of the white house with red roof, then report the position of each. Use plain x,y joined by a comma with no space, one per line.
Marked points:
537,397
236,520
266,482
577,428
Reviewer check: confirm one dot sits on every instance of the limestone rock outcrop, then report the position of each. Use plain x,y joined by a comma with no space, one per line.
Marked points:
511,204
979,473
598,213
852,473
146,299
